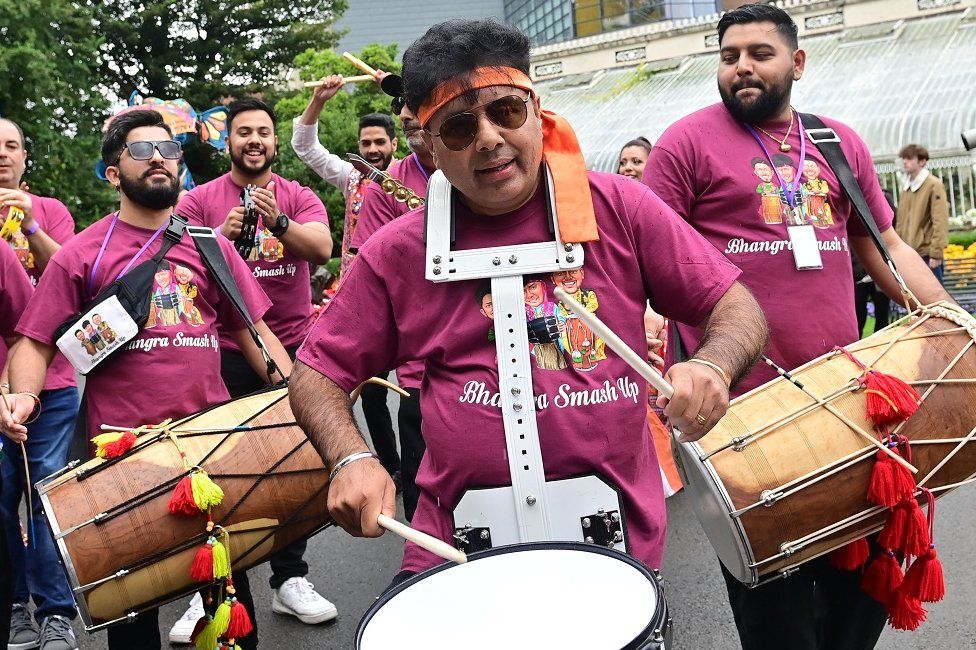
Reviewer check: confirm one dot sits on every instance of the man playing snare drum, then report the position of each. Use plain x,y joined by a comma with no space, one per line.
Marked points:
711,182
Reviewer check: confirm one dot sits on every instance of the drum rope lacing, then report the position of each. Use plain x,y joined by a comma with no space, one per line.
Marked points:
953,313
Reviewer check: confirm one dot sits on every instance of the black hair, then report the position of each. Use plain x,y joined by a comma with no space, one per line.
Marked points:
781,159
121,126
79,332
23,140
455,48
484,290
761,13
758,160
249,104
85,323
378,119
641,142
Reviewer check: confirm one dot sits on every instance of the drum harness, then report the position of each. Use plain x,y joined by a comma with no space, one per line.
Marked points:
583,508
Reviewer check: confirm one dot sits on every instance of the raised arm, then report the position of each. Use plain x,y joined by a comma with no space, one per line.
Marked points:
305,137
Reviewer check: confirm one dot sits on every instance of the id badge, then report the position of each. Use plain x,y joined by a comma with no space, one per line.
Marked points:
806,250
97,334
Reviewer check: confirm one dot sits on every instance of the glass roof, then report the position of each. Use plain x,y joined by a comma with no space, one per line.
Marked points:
894,83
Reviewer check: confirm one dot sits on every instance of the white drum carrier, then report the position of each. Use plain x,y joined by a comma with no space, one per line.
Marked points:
584,508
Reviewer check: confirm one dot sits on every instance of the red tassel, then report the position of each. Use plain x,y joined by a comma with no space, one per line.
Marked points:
891,483
240,621
181,503
905,613
850,556
906,530
198,628
120,446
882,578
924,579
202,569
890,400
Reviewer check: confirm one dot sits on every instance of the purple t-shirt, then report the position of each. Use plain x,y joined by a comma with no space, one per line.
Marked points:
591,405
53,218
172,367
283,276
715,175
15,292
379,209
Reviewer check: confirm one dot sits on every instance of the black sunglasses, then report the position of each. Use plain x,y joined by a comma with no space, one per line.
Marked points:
459,131
143,149
397,104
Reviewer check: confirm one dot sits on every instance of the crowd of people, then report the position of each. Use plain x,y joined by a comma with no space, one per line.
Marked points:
680,246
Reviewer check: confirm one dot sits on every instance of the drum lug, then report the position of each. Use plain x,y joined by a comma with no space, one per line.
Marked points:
787,551
472,539
658,636
603,528
769,497
739,443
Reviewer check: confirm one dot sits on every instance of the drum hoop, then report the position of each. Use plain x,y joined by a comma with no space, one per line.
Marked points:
658,621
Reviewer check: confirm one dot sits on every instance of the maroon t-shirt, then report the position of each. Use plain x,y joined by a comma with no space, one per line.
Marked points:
715,175
15,292
591,405
283,276
172,367
379,209
53,218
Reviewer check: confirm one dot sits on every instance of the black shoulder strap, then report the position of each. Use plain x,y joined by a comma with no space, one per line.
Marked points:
828,143
171,236
205,240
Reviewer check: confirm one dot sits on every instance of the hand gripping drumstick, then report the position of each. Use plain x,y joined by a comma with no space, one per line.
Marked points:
359,64
633,359
345,80
441,549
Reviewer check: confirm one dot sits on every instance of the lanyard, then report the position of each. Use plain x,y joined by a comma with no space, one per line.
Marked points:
423,171
790,190
101,252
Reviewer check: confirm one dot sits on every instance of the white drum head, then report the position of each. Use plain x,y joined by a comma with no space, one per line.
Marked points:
526,598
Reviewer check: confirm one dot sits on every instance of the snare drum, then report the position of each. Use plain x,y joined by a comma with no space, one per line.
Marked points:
562,595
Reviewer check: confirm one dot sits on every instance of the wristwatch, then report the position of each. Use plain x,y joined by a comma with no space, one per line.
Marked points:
281,225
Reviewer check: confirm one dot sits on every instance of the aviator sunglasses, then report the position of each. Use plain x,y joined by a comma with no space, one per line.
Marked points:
143,149
459,131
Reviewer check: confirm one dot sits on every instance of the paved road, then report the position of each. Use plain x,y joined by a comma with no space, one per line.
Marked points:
352,571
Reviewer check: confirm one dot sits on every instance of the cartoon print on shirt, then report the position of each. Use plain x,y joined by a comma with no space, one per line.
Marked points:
21,248
268,247
188,293
771,205
786,167
583,347
103,329
815,191
86,342
173,296
546,325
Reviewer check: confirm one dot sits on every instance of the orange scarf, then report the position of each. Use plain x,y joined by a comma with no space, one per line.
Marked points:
574,205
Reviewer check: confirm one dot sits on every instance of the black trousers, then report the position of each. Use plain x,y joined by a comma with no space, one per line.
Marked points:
412,448
241,379
6,596
380,425
817,608
143,633
865,292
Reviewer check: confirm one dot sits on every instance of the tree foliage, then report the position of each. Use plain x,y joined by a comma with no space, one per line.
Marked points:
49,85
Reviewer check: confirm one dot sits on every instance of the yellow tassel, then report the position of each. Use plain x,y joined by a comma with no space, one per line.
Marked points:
103,439
221,562
221,619
206,493
207,639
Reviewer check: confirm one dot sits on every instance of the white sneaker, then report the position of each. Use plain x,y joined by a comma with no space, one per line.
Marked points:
297,598
183,628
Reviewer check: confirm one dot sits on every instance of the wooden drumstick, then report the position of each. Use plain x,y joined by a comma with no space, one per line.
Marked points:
441,549
346,80
379,382
633,359
360,65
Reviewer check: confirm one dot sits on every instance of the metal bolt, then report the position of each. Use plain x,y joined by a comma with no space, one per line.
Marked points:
570,258
609,544
588,540
658,637
437,259
497,261
512,260
437,270
615,517
516,391
567,247
618,536
484,534
516,406
530,500
586,522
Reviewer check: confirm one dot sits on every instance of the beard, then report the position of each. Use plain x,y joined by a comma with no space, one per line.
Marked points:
150,193
240,162
771,100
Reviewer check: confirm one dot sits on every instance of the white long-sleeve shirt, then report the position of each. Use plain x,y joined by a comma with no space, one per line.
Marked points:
333,169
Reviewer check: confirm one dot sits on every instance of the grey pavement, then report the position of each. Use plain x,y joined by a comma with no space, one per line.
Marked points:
351,572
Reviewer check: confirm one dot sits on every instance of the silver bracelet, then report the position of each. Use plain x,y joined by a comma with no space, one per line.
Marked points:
714,366
349,459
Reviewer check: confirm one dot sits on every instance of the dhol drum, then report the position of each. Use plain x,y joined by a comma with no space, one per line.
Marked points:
783,477
562,595
123,550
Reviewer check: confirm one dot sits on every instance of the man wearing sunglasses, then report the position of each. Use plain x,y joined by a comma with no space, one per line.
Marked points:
293,231
468,84
36,573
142,383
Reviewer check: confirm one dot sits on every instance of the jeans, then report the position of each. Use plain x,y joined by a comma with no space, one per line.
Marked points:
6,590
240,380
36,570
412,448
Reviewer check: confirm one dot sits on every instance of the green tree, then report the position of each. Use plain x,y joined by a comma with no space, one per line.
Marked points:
339,122
50,87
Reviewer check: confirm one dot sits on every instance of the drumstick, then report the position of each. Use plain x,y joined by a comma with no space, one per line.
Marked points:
27,478
345,80
633,359
441,549
379,382
359,64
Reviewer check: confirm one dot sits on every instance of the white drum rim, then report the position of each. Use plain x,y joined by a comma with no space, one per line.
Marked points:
657,623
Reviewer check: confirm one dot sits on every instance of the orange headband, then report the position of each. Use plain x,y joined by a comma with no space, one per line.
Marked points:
574,205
